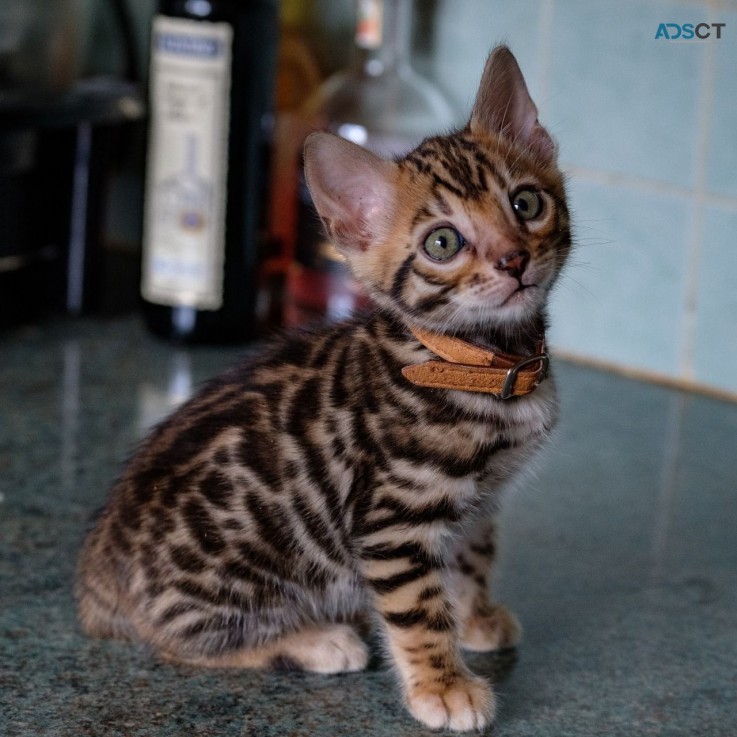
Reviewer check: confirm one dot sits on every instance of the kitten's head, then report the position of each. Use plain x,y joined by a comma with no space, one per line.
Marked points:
467,232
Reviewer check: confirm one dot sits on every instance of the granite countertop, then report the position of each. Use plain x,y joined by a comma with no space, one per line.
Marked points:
619,557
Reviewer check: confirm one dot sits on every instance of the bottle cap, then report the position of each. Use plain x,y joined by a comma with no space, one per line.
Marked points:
369,24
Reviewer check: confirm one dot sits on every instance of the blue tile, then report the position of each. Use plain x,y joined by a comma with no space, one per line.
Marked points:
467,31
715,341
621,100
722,161
621,298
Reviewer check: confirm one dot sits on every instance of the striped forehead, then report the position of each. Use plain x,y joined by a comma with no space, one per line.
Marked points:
460,166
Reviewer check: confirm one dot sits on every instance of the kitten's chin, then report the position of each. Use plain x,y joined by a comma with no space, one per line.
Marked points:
518,308
508,319
512,321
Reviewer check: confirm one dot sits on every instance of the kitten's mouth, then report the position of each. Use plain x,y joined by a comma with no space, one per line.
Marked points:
515,294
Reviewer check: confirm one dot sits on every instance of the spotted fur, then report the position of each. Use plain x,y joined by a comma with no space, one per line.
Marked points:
259,524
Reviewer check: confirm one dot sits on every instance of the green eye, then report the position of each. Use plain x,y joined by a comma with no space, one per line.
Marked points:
443,243
527,204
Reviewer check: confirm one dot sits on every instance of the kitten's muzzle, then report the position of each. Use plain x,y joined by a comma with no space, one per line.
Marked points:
520,288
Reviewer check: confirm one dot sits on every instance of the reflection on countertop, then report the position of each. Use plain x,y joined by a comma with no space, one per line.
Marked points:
619,557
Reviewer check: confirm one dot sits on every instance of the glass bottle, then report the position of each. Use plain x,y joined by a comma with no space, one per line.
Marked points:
378,102
212,85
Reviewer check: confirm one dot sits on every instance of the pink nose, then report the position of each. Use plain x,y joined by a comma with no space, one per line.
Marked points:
514,263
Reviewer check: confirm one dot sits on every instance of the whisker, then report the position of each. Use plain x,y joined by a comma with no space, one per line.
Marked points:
564,278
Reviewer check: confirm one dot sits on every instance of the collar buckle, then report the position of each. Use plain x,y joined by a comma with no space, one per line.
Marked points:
511,377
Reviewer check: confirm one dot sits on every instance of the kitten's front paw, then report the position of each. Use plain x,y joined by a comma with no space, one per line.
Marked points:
494,628
465,704
333,649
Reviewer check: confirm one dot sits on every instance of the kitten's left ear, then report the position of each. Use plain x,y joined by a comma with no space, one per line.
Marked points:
504,106
353,190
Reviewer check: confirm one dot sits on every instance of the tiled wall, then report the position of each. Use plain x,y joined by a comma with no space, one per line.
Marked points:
648,134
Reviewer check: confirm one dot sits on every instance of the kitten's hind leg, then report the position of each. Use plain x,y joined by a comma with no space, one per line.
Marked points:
330,648
486,625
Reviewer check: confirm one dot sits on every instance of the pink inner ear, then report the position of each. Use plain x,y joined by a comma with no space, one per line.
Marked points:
353,235
353,190
542,143
504,106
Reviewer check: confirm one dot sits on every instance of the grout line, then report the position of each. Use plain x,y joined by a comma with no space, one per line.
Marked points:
696,236
544,44
617,179
720,4
711,4
690,304
646,375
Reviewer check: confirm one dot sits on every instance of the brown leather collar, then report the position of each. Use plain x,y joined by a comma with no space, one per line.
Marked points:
471,368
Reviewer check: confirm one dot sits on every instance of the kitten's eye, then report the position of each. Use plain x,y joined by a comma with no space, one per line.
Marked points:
443,243
527,204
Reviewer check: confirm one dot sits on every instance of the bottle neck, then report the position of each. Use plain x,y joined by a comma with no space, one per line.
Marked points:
383,35
295,13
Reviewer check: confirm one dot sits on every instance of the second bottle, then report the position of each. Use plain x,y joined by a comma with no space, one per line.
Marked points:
378,102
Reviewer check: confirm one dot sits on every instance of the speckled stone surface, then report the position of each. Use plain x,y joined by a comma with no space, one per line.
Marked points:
619,557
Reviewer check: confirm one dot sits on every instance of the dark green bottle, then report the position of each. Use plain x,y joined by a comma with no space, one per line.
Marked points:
212,86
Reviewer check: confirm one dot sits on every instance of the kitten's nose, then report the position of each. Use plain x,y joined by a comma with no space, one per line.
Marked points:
514,263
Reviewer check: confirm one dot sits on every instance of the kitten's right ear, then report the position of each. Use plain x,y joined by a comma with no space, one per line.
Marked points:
504,106
353,190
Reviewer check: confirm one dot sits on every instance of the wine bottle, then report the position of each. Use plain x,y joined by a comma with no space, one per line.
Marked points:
211,91
378,102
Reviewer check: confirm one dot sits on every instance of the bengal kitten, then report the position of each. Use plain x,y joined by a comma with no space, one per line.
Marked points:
315,481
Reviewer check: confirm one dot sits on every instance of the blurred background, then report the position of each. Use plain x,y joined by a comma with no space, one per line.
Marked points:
647,129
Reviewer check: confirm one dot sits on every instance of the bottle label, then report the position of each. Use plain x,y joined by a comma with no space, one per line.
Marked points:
184,218
369,24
